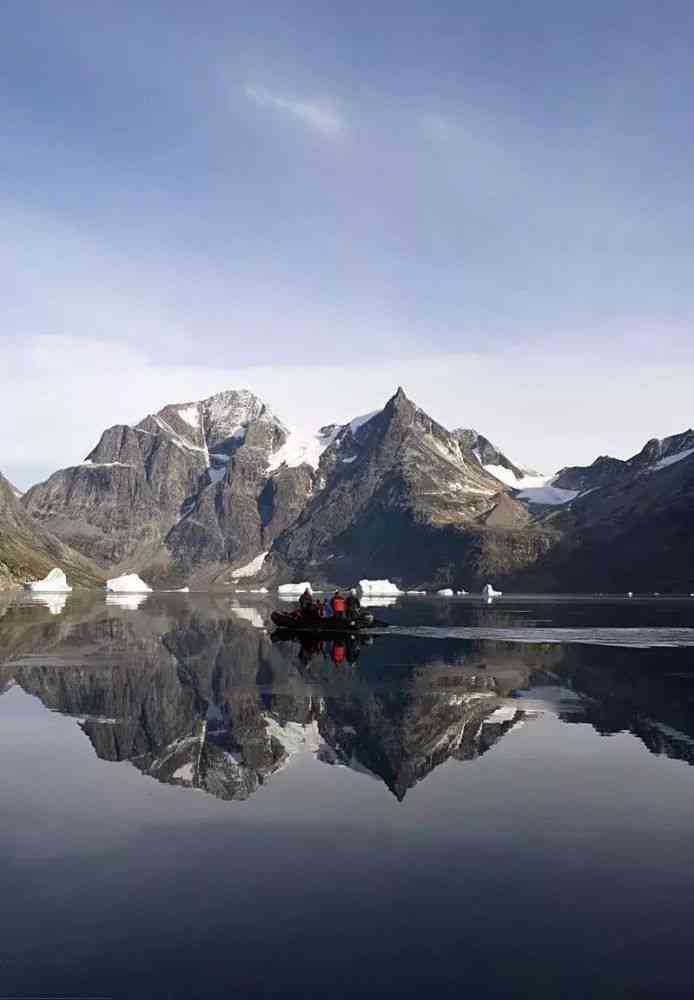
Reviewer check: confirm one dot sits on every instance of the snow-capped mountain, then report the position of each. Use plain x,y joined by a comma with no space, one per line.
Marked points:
221,491
656,454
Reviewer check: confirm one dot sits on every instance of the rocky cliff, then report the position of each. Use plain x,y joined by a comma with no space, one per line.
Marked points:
28,552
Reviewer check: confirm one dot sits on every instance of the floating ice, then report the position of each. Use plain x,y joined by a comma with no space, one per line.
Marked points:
128,584
446,592
378,588
54,583
289,589
488,591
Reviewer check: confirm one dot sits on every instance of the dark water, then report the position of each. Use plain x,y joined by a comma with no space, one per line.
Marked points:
190,810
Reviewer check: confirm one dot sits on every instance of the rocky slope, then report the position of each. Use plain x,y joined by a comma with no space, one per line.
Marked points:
632,533
28,552
480,449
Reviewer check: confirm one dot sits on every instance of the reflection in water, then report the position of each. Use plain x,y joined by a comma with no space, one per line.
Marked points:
195,693
54,602
129,602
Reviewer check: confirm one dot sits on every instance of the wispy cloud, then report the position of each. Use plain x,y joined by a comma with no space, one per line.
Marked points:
314,115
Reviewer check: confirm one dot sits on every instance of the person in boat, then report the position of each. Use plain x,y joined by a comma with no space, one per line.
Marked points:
339,605
327,608
306,602
353,604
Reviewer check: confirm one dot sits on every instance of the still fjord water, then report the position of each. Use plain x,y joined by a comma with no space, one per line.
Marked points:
494,799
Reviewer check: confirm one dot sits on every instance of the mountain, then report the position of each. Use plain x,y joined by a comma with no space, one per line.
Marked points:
656,454
202,491
220,491
399,497
28,552
634,531
193,483
479,448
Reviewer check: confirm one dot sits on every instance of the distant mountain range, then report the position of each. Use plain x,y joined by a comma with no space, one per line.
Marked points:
221,492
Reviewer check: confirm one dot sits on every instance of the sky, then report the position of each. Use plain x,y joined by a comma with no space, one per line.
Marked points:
488,203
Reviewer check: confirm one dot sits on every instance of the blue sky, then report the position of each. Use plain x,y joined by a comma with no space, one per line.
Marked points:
208,188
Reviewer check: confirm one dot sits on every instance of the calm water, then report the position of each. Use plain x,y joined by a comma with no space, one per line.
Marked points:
494,800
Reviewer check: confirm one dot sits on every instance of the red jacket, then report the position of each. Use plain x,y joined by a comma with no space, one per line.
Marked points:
339,605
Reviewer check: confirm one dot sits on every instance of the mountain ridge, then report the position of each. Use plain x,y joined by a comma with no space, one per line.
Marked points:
199,491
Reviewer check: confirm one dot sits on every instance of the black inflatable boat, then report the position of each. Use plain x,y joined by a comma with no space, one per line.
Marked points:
297,622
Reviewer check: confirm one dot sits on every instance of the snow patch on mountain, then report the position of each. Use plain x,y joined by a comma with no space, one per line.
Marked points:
548,495
191,415
507,476
105,465
302,449
671,459
250,569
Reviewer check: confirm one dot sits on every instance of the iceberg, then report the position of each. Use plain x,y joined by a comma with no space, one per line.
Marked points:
54,583
462,593
446,592
128,584
289,589
378,588
415,593
488,591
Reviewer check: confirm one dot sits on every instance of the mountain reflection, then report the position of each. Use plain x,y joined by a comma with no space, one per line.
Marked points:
194,693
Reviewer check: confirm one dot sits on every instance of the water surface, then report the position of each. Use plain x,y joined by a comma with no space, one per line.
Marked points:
189,809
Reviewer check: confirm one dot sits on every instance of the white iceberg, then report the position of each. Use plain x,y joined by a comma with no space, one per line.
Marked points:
128,584
462,593
378,588
446,592
289,589
415,593
54,583
378,602
488,591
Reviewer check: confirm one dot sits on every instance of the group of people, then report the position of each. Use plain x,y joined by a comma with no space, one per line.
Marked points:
338,606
